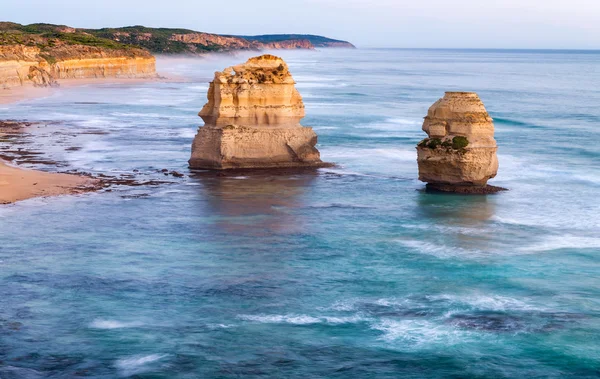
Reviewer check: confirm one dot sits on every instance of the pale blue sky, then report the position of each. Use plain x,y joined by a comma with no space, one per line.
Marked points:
367,23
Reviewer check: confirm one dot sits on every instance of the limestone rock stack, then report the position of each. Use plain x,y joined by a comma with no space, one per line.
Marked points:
252,120
460,153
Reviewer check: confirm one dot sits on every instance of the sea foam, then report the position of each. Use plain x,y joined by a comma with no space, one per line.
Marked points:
137,364
113,324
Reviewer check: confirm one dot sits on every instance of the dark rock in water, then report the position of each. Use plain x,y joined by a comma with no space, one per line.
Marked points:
257,172
494,322
522,321
177,174
464,190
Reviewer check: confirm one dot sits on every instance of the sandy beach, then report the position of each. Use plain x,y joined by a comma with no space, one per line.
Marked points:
20,184
16,94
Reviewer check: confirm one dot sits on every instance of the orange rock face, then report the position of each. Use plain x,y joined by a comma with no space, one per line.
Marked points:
20,65
252,120
461,149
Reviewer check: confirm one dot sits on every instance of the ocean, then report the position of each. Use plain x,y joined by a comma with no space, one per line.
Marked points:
350,272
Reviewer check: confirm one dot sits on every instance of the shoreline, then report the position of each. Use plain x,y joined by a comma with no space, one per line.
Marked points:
28,91
18,183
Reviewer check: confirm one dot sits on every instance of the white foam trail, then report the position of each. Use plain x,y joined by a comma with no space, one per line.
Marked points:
301,319
441,251
462,302
187,133
487,302
137,364
113,324
419,334
220,326
563,242
281,319
392,125
404,155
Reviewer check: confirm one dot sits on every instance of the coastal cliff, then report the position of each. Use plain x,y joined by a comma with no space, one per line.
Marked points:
43,58
185,41
252,120
20,65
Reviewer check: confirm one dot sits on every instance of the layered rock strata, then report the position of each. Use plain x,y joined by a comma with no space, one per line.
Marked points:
21,65
252,120
460,153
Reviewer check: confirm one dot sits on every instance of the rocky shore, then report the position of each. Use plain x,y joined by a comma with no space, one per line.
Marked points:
21,163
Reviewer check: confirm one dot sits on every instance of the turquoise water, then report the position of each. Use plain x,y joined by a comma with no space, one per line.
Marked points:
353,272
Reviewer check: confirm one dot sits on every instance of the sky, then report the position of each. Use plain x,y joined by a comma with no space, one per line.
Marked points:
541,24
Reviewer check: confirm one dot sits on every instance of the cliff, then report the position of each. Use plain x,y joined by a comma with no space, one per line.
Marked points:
185,41
315,41
460,153
252,120
42,57
158,40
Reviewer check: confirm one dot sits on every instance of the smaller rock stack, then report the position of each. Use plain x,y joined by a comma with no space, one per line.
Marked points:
252,120
460,153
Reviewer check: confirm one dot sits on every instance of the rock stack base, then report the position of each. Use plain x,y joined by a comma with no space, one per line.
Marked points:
459,154
252,120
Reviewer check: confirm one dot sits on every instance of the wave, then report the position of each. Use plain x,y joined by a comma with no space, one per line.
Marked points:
301,319
137,364
563,242
441,304
392,124
113,324
441,251
514,122
406,155
419,334
325,127
187,133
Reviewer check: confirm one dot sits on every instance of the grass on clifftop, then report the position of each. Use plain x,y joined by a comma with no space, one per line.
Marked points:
317,41
46,37
156,40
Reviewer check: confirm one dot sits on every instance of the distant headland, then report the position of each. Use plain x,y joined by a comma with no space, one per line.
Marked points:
162,40
43,54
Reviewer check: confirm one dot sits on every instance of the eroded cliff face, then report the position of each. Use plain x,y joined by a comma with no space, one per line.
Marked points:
460,153
237,43
207,39
286,45
22,65
252,120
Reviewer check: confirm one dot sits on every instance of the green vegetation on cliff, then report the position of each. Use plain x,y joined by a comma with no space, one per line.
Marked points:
155,40
317,41
47,36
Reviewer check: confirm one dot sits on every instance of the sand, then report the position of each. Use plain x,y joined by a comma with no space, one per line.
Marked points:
15,94
20,184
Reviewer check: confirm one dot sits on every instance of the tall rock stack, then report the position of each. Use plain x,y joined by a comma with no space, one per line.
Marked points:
460,153
252,120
